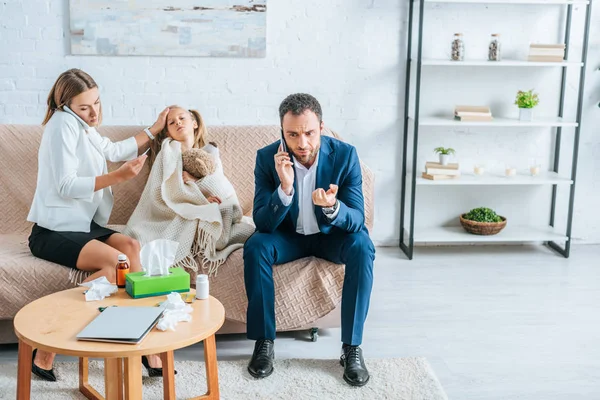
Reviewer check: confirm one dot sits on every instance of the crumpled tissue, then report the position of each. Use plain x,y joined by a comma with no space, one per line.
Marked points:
157,256
99,288
175,311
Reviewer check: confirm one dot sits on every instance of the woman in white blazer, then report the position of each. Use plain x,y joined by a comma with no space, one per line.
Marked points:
73,199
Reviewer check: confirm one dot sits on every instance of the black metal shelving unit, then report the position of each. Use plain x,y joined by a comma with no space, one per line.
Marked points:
407,217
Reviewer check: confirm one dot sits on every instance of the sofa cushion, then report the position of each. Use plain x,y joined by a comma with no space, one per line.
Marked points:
25,278
305,290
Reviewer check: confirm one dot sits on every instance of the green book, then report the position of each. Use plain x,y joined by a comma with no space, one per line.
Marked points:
138,285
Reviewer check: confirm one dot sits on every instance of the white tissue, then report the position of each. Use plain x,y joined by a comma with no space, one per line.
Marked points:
157,256
175,311
99,288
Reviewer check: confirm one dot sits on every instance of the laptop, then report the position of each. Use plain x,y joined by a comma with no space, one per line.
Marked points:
128,325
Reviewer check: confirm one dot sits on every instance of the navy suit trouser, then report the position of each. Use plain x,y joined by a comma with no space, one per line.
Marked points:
264,250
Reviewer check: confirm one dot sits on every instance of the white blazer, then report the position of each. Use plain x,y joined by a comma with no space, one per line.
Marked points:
71,156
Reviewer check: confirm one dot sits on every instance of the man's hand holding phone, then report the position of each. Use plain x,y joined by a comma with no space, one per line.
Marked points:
285,170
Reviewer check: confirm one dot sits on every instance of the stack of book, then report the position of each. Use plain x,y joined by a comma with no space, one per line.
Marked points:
547,52
472,113
436,171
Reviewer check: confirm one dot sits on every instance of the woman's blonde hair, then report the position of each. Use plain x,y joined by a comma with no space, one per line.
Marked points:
199,134
69,84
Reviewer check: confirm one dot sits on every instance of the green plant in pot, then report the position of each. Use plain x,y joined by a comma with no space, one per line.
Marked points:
482,221
444,154
526,101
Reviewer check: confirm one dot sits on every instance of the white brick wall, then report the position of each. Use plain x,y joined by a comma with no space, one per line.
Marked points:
350,55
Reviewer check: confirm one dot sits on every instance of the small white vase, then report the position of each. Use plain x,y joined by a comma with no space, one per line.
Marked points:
525,114
444,159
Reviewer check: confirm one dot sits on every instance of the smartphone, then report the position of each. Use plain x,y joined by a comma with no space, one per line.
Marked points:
283,144
77,117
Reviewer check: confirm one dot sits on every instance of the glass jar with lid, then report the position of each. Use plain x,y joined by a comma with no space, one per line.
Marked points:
458,48
494,49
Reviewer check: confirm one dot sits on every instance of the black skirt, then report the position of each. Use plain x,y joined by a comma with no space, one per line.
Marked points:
64,247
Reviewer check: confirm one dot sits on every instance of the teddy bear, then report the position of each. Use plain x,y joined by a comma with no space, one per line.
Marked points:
205,165
198,163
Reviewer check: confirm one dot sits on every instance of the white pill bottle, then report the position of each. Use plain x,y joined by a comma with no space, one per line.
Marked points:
202,287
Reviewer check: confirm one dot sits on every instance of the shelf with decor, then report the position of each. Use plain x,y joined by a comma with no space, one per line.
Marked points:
495,179
512,233
528,2
496,122
414,177
495,64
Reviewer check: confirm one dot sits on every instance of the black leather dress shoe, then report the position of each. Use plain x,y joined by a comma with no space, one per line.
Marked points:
261,363
355,370
153,372
45,374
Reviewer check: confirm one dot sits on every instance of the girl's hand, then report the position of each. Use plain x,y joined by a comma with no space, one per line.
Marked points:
160,123
214,199
187,177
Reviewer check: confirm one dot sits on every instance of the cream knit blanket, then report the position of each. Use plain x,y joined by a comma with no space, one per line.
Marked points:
170,209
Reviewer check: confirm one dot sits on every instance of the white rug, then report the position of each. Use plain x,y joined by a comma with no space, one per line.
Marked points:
393,378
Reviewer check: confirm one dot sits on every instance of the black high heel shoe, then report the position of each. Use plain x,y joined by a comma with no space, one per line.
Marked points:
45,374
153,372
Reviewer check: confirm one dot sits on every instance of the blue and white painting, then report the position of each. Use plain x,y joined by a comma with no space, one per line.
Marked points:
209,28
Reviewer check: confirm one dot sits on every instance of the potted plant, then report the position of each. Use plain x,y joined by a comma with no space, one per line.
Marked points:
482,221
526,101
444,154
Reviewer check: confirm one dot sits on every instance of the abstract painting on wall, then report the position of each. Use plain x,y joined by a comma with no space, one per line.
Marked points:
209,28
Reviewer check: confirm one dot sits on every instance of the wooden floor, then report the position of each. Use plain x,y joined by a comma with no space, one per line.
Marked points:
502,322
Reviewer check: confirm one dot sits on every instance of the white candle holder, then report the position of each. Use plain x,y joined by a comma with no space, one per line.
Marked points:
534,168
510,171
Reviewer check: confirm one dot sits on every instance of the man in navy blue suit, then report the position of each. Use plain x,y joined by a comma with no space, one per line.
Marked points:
308,201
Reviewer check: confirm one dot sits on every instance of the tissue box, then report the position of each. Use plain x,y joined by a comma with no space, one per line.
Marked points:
138,285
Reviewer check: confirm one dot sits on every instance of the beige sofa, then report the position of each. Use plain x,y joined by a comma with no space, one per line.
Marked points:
308,291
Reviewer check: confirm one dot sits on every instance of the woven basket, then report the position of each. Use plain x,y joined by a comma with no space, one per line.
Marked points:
482,228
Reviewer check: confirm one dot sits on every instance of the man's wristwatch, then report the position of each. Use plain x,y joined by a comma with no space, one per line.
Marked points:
150,135
331,210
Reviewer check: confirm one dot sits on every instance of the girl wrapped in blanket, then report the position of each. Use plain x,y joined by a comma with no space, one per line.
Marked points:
204,216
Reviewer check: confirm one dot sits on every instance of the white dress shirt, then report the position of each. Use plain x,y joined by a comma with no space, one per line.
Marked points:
71,156
306,180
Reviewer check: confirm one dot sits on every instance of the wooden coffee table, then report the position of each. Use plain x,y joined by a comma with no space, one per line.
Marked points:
53,322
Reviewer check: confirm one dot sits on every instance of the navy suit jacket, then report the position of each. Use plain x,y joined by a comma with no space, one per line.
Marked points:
338,164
